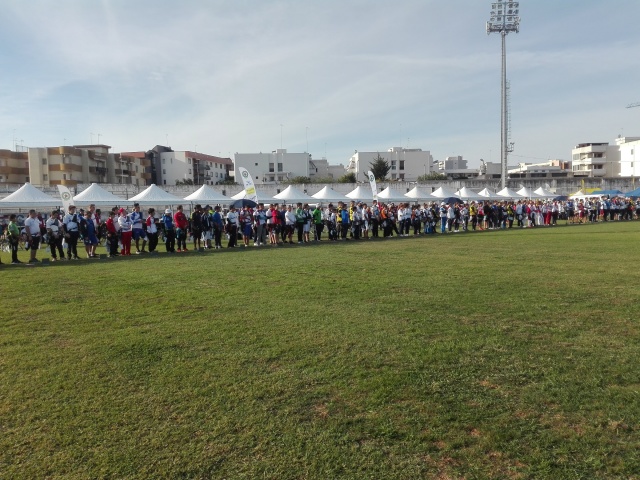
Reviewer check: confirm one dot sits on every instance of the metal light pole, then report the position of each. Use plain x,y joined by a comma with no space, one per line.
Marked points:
504,19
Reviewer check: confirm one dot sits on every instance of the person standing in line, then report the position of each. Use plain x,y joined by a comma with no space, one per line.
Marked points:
126,228
169,231
13,234
88,232
152,230
260,223
218,226
32,229
375,218
196,227
71,224
443,218
112,235
345,221
137,229
232,227
54,232
181,223
300,221
246,222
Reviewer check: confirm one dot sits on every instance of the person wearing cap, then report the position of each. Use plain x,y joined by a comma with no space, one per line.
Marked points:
137,229
169,231
54,234
126,227
71,223
443,217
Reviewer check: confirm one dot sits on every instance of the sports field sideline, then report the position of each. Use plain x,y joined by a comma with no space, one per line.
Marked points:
492,355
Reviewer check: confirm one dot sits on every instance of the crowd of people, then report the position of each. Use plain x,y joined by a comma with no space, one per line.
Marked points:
121,230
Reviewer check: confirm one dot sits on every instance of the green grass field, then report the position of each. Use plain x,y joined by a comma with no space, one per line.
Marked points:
491,355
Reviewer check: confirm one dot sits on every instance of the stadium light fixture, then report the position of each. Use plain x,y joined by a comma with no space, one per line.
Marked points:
503,20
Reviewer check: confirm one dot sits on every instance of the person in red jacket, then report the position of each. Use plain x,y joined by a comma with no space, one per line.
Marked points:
182,224
112,235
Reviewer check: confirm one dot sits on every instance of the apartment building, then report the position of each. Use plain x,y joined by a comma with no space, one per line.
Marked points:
274,167
629,156
171,167
405,163
595,160
14,167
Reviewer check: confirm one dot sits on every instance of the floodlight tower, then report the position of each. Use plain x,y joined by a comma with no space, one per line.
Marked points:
504,19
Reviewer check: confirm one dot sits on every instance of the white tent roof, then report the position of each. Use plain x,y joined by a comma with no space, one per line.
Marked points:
29,196
543,192
360,193
418,193
528,193
506,192
262,197
392,195
292,194
330,195
206,194
99,196
443,192
154,195
487,194
466,194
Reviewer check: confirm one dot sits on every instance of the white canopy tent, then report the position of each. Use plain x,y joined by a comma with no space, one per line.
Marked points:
487,194
543,192
206,194
392,196
360,193
154,195
418,193
506,192
327,194
443,192
98,196
292,195
28,196
262,197
528,193
466,194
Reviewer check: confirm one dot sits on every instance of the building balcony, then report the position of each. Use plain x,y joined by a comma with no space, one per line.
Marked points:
145,162
14,171
145,175
65,167
69,183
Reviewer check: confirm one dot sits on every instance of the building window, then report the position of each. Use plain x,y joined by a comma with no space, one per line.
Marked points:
393,164
216,174
45,177
164,171
401,165
271,167
163,160
26,179
279,167
402,176
393,176
272,179
164,182
64,176
44,160
171,161
189,160
189,171
256,164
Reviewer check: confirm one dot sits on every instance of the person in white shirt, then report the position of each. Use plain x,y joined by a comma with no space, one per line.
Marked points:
71,224
54,232
32,229
289,223
232,227
126,228
152,230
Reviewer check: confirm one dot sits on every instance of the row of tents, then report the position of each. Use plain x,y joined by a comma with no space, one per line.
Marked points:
29,196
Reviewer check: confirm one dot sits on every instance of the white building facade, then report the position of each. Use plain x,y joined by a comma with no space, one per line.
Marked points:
629,158
277,166
595,160
199,168
406,164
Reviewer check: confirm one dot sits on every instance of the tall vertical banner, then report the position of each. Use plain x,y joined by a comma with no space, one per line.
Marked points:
65,196
372,182
249,187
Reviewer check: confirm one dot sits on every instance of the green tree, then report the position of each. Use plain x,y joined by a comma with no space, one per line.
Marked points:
298,180
226,181
186,181
380,168
432,176
348,178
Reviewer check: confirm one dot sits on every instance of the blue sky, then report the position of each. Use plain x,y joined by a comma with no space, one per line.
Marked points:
243,76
